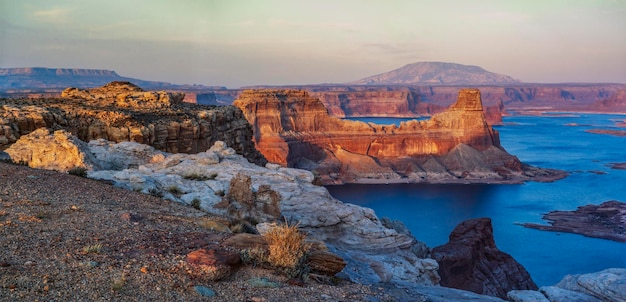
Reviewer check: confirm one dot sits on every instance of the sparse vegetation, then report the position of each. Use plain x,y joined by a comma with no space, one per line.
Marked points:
78,171
118,283
287,246
174,190
200,177
155,192
195,203
95,248
253,256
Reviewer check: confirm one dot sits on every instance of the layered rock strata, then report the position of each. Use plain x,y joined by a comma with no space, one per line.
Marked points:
471,261
121,111
293,129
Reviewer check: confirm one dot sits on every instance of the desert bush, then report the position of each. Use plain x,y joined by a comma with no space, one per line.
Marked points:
174,190
195,203
287,246
253,256
92,248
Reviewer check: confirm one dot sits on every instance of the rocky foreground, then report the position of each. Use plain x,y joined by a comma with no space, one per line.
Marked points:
108,235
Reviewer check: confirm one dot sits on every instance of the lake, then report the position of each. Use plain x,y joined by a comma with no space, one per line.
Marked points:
431,211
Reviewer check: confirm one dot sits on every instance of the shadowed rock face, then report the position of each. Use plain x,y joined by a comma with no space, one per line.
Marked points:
471,261
294,129
121,111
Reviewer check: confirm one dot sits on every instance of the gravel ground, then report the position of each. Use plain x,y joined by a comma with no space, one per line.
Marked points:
68,238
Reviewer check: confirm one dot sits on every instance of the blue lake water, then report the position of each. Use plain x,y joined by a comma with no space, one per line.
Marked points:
432,211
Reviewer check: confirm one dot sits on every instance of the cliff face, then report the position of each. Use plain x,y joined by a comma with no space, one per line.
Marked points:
407,101
120,111
295,130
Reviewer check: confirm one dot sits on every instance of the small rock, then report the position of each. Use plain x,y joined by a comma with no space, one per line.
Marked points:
32,176
262,283
130,217
204,291
29,263
258,299
295,282
526,296
325,263
4,264
216,264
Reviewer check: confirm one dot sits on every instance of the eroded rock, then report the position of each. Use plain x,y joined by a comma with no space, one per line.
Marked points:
58,150
294,129
471,261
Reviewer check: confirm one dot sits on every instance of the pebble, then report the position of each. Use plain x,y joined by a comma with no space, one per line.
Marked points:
204,291
29,263
4,264
262,283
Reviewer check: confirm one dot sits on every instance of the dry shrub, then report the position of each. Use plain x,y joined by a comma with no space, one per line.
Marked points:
286,246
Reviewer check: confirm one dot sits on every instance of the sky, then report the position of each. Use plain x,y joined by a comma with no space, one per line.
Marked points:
237,43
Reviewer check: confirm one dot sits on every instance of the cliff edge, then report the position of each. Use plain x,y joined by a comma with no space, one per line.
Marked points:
121,111
293,129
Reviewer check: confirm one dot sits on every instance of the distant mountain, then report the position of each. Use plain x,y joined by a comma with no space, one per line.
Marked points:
437,73
60,78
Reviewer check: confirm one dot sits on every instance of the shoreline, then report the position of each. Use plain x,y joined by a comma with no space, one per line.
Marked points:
558,175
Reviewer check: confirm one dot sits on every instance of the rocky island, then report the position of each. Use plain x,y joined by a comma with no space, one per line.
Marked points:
294,129
606,220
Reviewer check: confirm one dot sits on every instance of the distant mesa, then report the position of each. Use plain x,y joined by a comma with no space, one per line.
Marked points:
60,78
437,73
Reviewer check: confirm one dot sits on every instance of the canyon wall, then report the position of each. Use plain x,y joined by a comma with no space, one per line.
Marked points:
121,111
294,129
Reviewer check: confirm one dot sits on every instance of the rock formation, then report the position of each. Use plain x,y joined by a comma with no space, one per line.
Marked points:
121,111
471,261
373,253
58,151
607,220
606,285
293,129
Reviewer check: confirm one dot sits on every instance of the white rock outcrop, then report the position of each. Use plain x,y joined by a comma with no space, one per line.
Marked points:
374,253
605,285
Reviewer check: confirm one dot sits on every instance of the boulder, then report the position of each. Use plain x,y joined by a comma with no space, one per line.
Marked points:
526,296
557,294
58,150
325,263
214,264
606,285
471,261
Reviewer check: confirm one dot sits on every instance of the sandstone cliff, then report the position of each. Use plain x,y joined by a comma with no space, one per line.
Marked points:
295,130
121,111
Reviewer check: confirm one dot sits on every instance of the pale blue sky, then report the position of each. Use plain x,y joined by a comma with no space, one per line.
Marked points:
280,42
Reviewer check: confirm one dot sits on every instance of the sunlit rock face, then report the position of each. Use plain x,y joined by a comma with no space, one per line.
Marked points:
294,129
121,111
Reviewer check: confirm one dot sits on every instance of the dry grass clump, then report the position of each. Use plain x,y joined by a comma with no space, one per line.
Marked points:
286,246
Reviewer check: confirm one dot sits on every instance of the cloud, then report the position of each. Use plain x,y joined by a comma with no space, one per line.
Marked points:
54,15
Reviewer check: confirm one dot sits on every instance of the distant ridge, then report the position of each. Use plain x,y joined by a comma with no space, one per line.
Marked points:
437,73
60,78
